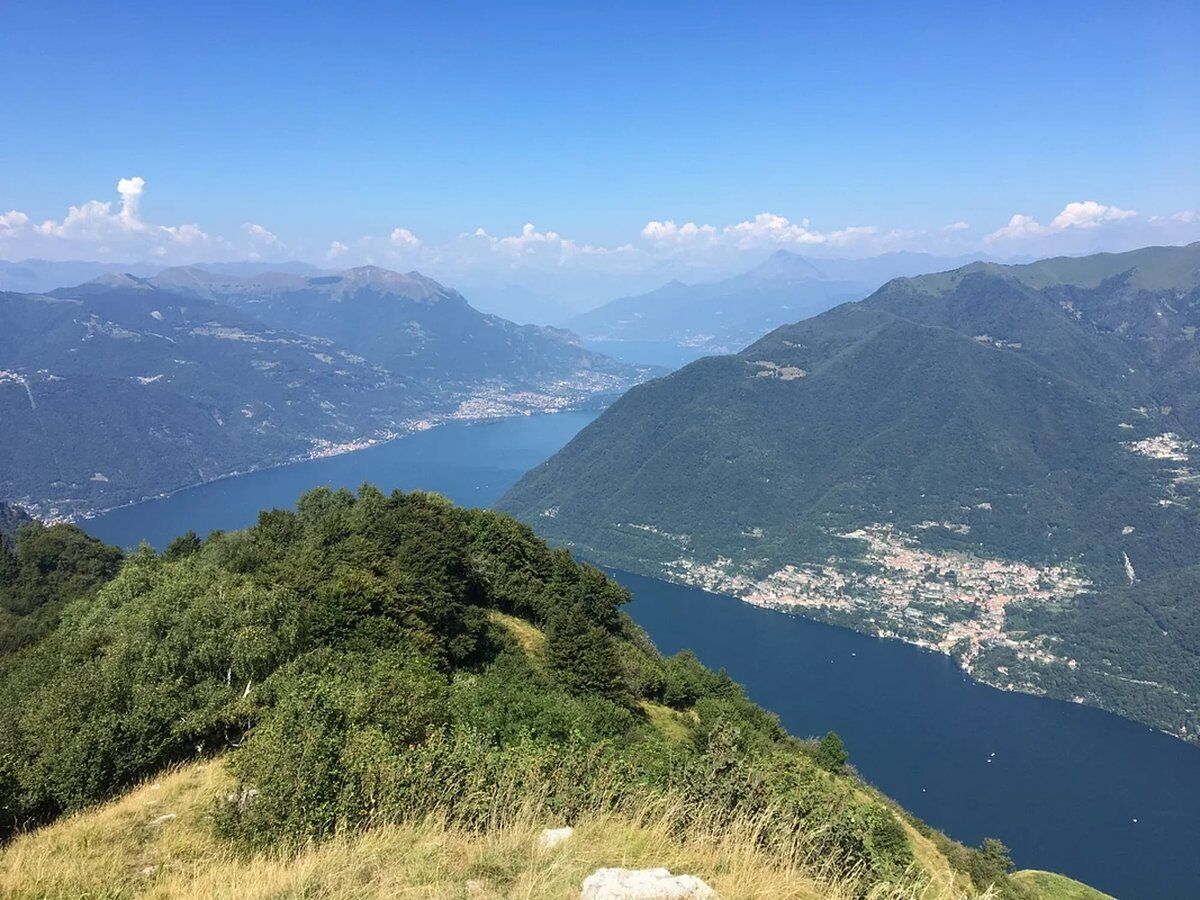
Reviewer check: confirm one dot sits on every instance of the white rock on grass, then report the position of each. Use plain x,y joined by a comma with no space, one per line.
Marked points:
552,837
644,884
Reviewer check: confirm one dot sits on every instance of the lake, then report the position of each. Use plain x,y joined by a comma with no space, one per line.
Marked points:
1068,788
648,353
472,464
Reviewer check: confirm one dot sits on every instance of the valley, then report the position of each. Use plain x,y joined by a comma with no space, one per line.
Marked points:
941,728
599,452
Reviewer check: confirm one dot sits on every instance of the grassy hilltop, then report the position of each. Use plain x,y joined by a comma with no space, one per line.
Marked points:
379,694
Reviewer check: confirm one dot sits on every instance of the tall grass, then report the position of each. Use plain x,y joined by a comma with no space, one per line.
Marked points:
158,841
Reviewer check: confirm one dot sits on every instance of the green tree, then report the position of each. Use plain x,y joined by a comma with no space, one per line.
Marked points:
581,655
831,752
184,545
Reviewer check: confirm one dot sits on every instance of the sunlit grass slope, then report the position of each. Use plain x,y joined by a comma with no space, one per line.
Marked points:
1049,886
157,841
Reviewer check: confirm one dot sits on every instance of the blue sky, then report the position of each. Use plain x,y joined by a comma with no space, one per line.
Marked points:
345,122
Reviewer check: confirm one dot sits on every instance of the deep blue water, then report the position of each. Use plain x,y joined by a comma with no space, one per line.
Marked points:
471,464
1065,782
1062,789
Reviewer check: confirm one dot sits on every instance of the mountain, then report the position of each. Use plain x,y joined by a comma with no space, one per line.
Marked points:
724,315
878,270
407,323
998,461
378,676
126,387
35,276
119,389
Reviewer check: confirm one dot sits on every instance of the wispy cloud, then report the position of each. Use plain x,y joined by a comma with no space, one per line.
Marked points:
118,230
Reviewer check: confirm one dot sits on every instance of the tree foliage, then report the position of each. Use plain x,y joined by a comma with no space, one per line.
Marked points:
350,659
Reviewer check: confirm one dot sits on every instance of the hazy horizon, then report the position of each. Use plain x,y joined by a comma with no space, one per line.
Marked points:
585,154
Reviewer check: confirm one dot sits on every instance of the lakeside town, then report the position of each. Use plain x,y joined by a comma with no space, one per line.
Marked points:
485,402
950,601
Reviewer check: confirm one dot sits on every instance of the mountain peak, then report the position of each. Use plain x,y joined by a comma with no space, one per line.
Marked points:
122,280
786,264
411,285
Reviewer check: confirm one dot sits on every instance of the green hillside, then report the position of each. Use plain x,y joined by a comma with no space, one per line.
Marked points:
125,388
11,518
394,671
999,462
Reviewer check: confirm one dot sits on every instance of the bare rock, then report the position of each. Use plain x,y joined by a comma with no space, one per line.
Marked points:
644,884
552,837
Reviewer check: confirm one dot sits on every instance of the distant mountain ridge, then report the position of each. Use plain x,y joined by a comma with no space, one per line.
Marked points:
127,386
403,321
37,276
726,315
1030,432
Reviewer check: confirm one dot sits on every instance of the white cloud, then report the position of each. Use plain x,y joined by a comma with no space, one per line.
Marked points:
95,230
1089,214
261,242
1019,226
13,222
546,261
767,230
669,232
1088,226
529,246
130,190
261,236
1078,214
1183,217
405,238
186,234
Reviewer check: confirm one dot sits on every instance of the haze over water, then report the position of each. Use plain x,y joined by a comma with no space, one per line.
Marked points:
1061,784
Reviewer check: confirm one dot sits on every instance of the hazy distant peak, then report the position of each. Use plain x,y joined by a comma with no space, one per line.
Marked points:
786,264
121,280
410,286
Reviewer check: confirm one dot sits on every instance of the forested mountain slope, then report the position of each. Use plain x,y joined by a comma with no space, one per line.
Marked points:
370,664
117,389
126,387
11,518
999,461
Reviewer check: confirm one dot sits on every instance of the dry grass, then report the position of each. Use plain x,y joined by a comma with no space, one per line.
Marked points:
529,636
157,842
671,723
1049,886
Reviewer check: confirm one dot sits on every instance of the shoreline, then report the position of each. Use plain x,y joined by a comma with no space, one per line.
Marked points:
805,612
354,446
